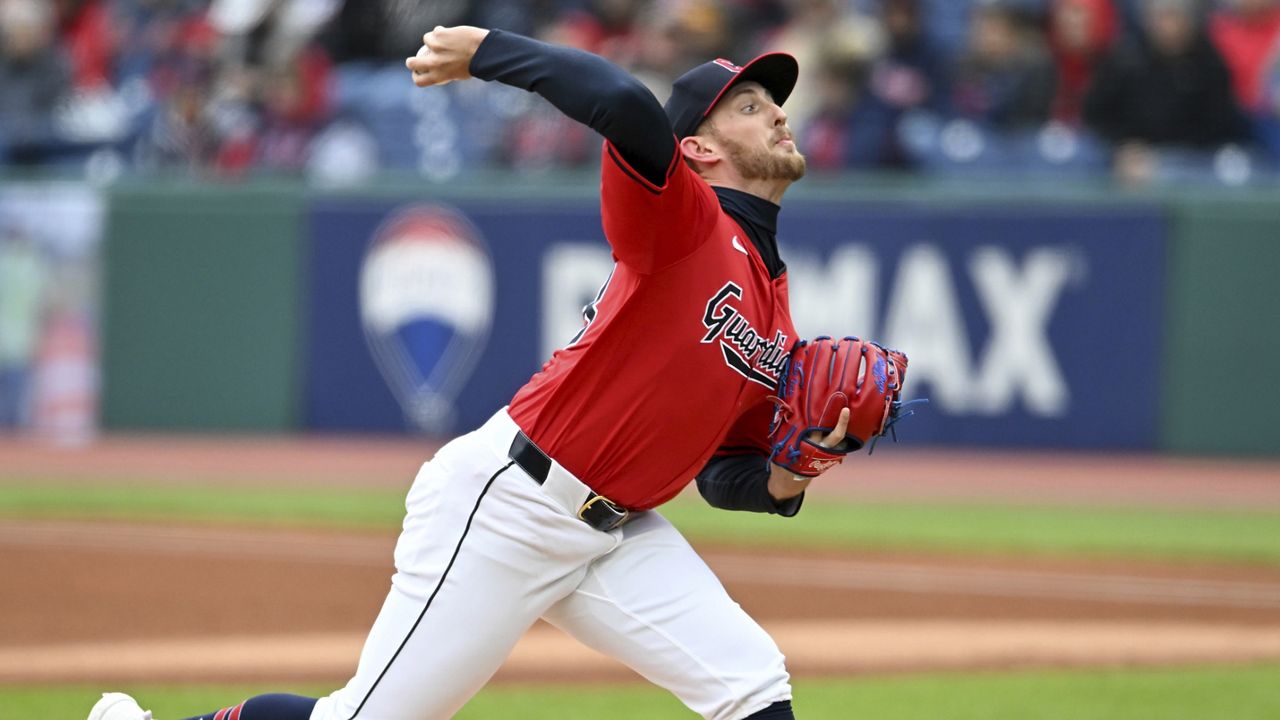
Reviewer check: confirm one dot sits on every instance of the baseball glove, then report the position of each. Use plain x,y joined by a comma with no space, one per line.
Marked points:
822,377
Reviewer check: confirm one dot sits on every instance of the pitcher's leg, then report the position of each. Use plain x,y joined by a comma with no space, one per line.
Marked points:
422,661
474,572
274,706
654,605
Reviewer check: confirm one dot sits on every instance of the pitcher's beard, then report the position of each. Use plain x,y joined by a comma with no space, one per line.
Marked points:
759,164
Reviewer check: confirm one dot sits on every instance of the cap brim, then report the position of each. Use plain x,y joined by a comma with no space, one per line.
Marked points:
776,72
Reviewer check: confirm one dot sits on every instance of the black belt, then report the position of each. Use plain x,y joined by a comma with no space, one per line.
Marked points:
597,511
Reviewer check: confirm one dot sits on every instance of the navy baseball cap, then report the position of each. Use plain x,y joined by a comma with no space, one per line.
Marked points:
696,92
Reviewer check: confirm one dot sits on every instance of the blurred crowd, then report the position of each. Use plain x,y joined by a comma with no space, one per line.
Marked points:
1146,90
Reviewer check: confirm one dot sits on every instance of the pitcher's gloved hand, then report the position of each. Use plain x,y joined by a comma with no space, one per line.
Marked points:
822,378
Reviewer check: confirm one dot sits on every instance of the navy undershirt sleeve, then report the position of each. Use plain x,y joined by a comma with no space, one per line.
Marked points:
741,482
586,88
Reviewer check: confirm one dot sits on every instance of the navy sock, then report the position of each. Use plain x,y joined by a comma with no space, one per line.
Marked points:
780,710
277,706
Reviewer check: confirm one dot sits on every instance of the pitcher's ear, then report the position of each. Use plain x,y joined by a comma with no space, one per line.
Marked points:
699,148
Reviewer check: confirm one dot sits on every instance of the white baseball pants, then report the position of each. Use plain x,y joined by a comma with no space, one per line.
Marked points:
486,551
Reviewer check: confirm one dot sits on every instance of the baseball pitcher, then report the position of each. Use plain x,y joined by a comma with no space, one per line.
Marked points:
687,366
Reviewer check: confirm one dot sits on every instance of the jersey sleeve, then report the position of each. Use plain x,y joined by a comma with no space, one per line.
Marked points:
737,475
651,226
588,89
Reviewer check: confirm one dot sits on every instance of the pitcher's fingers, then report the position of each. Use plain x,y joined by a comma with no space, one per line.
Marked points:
420,62
429,39
836,435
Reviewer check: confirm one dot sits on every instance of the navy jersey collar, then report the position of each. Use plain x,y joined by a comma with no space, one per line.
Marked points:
759,218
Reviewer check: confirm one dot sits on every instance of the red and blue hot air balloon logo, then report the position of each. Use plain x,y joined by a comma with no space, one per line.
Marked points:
426,302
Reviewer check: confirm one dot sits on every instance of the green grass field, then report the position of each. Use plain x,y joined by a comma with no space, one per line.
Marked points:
1239,693
1212,535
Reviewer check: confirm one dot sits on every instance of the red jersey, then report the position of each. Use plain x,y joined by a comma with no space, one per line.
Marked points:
679,352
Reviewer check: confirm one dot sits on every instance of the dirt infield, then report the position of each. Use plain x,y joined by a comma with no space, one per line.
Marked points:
120,603
117,602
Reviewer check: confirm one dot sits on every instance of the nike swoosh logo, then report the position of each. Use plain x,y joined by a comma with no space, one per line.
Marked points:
738,246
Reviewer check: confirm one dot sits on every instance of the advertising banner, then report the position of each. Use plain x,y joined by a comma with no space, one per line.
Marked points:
1034,327
428,317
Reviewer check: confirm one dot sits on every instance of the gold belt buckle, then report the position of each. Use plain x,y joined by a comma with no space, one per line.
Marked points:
607,516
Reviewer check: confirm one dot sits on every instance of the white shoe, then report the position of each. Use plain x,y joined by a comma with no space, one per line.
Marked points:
118,706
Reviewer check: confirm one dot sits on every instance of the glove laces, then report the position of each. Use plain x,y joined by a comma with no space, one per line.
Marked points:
897,412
